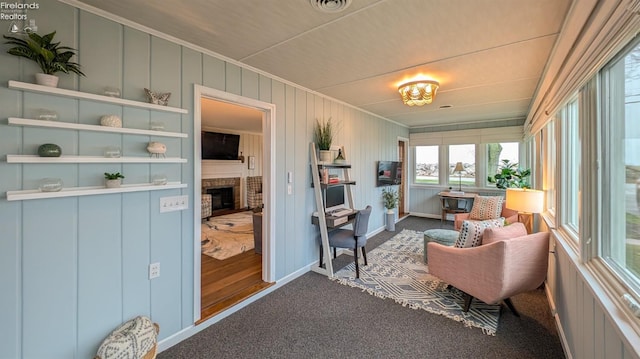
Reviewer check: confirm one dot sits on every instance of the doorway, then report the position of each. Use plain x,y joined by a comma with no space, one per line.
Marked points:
220,282
402,188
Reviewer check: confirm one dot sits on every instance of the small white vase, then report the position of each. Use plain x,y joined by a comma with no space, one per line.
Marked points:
114,183
391,220
47,80
326,156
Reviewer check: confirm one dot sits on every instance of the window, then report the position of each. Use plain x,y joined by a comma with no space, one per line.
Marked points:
549,166
497,153
571,171
621,165
427,169
466,154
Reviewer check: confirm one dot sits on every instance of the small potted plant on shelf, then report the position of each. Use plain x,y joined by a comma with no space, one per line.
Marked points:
50,56
323,136
114,180
390,200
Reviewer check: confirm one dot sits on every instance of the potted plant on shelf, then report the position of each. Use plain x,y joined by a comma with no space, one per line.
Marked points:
390,199
50,56
114,180
323,136
510,176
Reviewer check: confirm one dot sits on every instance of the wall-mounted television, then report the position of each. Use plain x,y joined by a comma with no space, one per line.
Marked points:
389,173
220,146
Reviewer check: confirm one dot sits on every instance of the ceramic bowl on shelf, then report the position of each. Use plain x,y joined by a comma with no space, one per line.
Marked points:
46,115
159,180
51,185
49,150
112,92
112,152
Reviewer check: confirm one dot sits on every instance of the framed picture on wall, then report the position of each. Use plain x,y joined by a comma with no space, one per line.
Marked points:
252,162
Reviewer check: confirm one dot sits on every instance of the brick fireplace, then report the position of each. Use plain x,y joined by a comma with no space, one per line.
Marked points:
225,192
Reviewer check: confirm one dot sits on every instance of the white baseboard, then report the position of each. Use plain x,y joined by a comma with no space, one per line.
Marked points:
556,317
426,215
185,333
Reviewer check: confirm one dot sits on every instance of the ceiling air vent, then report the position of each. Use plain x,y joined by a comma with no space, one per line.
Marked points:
331,6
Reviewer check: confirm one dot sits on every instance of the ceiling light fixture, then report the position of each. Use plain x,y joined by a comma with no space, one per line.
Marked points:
418,93
330,6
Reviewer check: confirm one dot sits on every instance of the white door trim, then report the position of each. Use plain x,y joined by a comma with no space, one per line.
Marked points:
268,226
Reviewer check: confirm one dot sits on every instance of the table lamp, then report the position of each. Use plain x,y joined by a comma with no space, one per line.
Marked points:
459,169
526,202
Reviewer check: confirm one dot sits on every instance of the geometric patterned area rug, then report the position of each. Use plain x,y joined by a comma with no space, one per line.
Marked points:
396,271
225,236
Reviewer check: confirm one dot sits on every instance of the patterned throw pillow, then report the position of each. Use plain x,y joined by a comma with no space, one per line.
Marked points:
486,207
471,232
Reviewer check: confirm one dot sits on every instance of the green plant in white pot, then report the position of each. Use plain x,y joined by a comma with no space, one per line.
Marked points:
323,137
50,56
114,180
390,200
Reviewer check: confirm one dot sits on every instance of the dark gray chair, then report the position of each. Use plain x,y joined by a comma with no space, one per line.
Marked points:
351,238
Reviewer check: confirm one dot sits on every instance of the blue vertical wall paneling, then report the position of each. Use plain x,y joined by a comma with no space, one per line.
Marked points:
50,295
131,60
279,99
99,269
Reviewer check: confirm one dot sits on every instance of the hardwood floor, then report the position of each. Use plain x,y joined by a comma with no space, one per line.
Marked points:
227,282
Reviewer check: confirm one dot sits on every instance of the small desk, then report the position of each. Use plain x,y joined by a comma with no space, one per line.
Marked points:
336,222
450,203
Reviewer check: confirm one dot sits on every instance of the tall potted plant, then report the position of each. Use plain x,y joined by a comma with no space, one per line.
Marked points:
323,136
50,56
390,199
510,176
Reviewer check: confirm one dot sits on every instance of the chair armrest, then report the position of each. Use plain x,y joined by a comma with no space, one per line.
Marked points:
458,218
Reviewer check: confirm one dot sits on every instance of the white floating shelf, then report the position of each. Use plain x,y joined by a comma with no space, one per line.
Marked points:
91,159
88,191
17,85
77,126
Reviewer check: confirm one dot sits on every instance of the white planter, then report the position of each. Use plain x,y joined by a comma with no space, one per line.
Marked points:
391,220
114,183
47,80
326,156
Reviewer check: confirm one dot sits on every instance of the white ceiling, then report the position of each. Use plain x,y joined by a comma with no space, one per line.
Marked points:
488,55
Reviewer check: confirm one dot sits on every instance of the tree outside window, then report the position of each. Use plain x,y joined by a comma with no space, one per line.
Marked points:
497,153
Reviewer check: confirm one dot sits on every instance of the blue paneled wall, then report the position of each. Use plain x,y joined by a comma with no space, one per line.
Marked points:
72,269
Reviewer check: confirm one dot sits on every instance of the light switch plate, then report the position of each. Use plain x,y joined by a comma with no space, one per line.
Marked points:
174,203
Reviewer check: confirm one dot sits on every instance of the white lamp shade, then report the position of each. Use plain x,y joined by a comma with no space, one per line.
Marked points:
458,168
525,200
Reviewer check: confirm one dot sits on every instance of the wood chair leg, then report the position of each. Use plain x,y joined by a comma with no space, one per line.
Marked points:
321,250
467,302
364,255
511,307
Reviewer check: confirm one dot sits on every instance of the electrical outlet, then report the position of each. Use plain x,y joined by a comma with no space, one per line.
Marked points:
174,203
154,270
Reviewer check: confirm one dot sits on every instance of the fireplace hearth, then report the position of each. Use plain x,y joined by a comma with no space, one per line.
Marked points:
221,198
225,194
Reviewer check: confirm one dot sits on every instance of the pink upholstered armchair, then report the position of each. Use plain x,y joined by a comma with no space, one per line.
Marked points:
509,215
492,272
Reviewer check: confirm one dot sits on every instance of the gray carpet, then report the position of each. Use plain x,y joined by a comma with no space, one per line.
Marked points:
314,317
